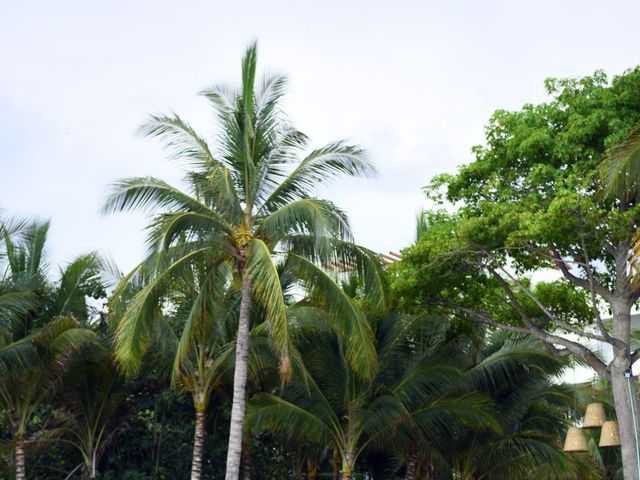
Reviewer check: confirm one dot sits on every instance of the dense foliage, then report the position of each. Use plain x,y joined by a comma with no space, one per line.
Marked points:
533,203
254,295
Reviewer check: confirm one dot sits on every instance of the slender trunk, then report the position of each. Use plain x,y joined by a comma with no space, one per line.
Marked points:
336,464
239,383
91,467
347,466
412,462
198,445
623,403
159,429
246,459
297,463
312,467
625,395
19,459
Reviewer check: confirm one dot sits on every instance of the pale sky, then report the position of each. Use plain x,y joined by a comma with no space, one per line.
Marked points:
412,81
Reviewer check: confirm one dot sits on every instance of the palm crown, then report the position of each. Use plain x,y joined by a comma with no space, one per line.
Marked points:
252,194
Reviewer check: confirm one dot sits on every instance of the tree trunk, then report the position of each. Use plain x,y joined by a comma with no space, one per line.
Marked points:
19,459
337,462
312,467
625,395
624,401
246,459
234,451
412,462
90,468
347,466
198,445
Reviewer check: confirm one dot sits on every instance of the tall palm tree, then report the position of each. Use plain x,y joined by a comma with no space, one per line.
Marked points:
251,197
203,304
39,324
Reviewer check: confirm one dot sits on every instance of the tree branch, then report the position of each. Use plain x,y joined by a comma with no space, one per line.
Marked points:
583,333
594,306
581,282
552,340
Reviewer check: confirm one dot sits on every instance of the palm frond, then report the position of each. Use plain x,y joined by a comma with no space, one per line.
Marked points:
135,328
180,139
81,278
319,167
346,319
318,218
166,228
148,194
249,64
620,166
15,303
267,290
268,412
517,356
344,255
205,309
468,409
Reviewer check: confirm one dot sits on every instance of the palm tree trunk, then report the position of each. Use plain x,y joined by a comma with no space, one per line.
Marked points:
412,462
19,459
336,464
238,407
312,467
90,468
198,444
246,459
347,466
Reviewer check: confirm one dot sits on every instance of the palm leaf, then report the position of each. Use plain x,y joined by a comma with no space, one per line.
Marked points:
267,290
146,193
134,330
278,415
180,139
346,319
620,166
319,167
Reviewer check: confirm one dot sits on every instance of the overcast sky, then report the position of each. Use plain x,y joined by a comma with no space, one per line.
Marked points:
414,82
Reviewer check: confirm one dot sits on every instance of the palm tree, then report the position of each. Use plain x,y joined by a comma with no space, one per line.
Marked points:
91,404
204,303
40,323
414,390
205,307
520,375
250,198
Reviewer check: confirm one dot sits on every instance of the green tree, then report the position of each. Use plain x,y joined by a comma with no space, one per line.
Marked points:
91,407
203,349
251,198
201,305
520,375
414,395
530,201
620,174
40,324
